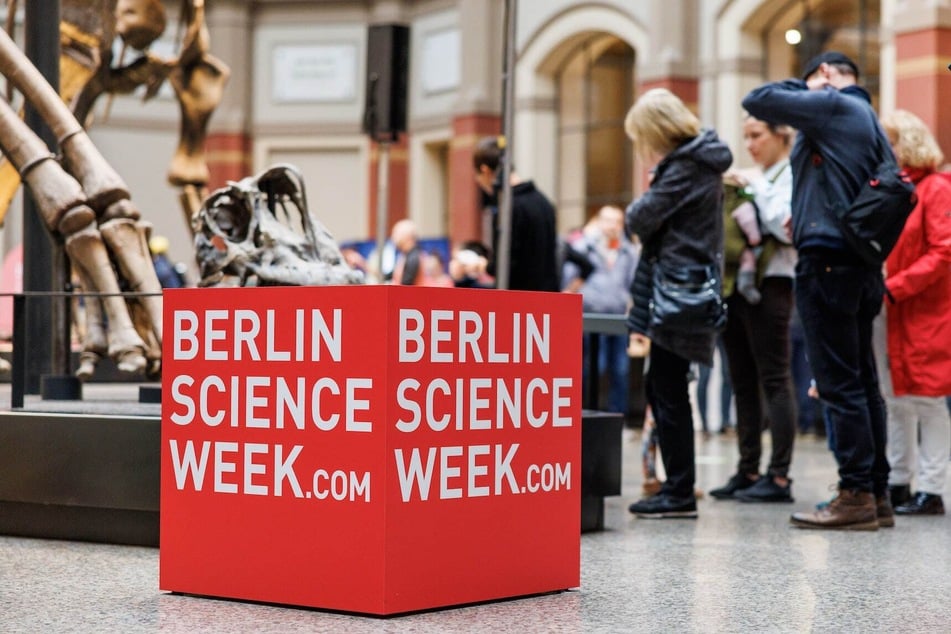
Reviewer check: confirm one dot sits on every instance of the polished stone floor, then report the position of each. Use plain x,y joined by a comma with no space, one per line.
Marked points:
738,568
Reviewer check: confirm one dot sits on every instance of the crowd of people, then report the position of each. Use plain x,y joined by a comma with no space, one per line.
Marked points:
882,376
750,265
774,284
753,264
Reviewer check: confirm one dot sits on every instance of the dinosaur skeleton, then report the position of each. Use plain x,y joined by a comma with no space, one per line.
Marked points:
197,77
259,232
82,199
84,202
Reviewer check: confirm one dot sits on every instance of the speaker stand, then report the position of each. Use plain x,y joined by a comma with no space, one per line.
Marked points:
382,199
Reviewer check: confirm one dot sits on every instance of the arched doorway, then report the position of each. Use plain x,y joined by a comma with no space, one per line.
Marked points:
574,83
797,32
595,90
755,43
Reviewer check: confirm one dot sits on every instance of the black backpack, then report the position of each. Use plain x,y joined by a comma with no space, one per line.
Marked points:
874,221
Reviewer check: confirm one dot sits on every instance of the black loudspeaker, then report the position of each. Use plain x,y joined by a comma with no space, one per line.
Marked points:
384,116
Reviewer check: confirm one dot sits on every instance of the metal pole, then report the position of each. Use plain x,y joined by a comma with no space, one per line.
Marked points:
45,266
18,378
382,200
508,130
863,38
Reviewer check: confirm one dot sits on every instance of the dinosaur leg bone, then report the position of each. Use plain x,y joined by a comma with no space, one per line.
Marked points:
127,242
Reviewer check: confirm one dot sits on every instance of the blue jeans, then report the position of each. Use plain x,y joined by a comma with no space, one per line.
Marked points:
726,390
830,431
809,410
613,360
837,300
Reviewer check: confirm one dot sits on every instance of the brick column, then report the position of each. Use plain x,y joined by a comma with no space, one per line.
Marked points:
476,113
688,89
465,220
229,157
228,144
397,185
922,78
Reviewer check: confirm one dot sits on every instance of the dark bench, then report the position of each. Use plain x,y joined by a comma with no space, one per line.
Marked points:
600,431
89,478
600,464
97,478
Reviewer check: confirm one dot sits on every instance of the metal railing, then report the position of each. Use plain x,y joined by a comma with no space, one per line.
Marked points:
18,354
592,323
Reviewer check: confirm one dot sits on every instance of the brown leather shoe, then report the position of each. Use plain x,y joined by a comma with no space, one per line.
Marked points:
884,511
849,511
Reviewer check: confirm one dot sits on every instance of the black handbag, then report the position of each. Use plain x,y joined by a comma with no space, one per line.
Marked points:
687,298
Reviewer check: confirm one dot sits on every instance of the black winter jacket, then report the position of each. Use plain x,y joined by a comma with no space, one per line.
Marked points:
533,264
679,220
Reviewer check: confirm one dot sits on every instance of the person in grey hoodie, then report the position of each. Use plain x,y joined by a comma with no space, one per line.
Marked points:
679,220
837,295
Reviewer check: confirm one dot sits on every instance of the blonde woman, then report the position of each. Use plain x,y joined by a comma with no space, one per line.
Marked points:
916,372
679,222
757,335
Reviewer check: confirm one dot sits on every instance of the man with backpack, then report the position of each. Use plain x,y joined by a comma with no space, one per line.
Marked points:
838,292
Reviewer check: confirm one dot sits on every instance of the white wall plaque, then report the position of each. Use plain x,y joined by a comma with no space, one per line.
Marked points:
441,63
303,73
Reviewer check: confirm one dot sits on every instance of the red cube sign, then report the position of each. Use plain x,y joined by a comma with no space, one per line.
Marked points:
370,449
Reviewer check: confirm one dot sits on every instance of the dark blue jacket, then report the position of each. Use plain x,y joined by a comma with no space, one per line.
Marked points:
843,127
168,277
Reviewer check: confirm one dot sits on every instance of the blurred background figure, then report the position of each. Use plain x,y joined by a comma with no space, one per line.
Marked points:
380,267
533,264
408,270
606,289
354,258
573,250
434,271
808,408
916,371
169,275
469,264
704,374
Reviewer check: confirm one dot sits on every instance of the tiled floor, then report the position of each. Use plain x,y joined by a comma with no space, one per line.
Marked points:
738,568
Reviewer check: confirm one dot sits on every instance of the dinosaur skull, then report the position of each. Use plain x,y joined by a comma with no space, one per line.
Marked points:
259,232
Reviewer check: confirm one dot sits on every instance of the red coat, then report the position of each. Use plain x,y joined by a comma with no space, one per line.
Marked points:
919,279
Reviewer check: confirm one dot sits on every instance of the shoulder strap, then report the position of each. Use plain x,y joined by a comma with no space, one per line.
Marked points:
772,181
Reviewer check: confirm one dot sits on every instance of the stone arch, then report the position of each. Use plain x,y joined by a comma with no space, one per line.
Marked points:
539,62
746,56
739,54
